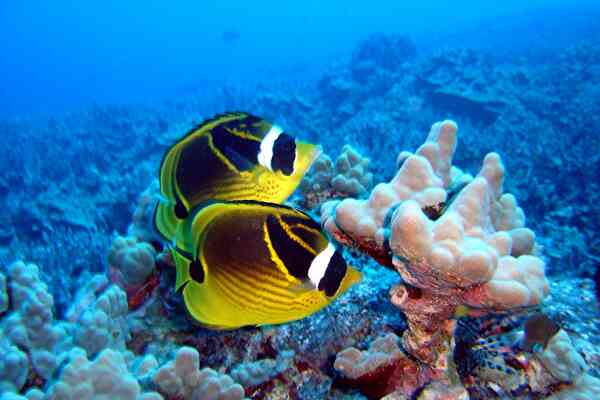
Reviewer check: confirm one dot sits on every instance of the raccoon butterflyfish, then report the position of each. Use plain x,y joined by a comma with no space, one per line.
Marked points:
243,263
235,156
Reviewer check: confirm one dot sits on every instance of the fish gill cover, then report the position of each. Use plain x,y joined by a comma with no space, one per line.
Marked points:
477,236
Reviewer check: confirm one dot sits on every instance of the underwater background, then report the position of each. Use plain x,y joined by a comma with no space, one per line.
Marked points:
93,94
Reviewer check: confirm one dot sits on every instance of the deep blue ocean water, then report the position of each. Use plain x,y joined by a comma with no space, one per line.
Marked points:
62,55
92,94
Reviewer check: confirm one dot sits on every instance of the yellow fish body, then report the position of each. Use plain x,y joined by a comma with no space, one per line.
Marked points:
245,263
235,156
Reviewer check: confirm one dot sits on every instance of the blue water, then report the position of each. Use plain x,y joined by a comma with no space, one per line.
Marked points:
92,95
61,55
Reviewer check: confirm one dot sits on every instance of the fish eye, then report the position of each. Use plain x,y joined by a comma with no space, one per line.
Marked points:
196,271
180,211
284,154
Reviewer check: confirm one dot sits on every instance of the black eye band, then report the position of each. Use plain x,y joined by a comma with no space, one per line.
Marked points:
336,270
284,154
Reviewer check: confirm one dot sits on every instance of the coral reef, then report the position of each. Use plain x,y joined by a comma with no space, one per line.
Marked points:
103,324
349,176
386,52
457,242
256,373
462,82
133,260
454,244
29,325
3,295
141,226
597,282
106,377
131,264
182,378
512,107
562,369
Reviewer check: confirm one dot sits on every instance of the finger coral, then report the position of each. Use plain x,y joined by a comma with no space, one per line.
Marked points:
383,352
105,377
457,241
103,324
29,324
182,378
349,176
132,258
132,267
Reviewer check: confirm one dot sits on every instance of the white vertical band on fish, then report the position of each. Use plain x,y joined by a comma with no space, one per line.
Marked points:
265,154
318,266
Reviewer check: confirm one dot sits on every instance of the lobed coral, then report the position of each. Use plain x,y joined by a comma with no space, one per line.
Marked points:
103,324
29,324
561,366
86,357
133,259
141,226
106,377
379,370
457,241
383,352
348,176
251,374
14,367
132,267
182,378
